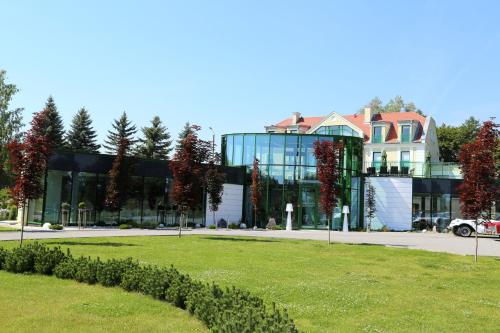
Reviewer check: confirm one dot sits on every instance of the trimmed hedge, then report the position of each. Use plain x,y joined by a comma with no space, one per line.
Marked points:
224,311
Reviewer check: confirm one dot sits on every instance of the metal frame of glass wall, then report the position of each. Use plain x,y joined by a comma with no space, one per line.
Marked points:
288,175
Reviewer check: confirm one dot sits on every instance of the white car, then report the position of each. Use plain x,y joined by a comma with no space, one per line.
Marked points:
465,228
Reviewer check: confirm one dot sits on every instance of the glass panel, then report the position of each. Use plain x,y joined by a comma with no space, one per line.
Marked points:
229,150
456,213
262,148
276,174
84,210
377,160
154,205
249,150
291,149
58,198
307,150
405,159
131,209
441,211
238,150
277,150
309,197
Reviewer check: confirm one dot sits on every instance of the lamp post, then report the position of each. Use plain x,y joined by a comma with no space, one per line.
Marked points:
289,210
345,210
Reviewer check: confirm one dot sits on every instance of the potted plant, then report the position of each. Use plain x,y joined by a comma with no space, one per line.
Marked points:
383,166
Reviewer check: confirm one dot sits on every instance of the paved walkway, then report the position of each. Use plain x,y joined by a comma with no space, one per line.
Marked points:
435,242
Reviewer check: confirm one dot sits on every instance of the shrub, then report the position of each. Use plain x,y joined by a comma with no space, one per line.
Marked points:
110,273
56,227
149,225
212,226
234,226
125,226
12,212
225,311
82,205
276,227
3,254
22,259
47,259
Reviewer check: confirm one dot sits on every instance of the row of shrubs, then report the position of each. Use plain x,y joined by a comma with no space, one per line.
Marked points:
228,310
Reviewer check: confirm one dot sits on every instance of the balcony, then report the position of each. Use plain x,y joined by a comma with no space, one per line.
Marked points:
413,169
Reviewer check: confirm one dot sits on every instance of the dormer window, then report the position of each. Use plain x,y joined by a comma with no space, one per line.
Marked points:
405,133
377,134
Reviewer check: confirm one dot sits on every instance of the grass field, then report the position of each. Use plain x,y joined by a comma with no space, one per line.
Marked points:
337,288
7,229
46,304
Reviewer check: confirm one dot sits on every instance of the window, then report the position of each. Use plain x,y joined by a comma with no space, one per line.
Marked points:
405,133
377,134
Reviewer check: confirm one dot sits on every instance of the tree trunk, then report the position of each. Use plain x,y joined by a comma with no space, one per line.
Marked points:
22,225
475,255
180,224
215,223
328,221
255,217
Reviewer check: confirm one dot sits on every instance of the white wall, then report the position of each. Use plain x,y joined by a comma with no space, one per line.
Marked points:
393,198
231,207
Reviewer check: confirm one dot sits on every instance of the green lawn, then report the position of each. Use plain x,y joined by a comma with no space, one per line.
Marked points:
333,288
7,229
46,304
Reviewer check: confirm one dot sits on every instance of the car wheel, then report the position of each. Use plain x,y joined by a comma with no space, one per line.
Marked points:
464,231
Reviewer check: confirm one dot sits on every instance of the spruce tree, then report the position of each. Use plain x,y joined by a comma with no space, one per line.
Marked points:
82,137
188,129
155,142
52,126
122,129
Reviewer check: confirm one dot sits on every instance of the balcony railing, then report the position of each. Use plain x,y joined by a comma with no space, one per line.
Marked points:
413,169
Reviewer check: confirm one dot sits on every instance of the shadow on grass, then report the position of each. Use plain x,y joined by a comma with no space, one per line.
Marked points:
110,244
233,239
380,245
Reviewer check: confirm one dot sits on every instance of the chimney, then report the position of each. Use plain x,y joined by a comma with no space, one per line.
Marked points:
368,114
295,118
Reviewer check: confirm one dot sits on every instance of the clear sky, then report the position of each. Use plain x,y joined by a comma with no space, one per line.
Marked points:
240,65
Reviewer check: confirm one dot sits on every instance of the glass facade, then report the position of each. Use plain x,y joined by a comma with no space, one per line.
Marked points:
287,171
337,130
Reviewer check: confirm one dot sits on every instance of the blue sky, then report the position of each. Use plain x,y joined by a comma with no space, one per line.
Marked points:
240,65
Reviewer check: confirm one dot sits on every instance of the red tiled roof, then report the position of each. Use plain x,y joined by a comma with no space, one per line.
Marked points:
391,117
303,122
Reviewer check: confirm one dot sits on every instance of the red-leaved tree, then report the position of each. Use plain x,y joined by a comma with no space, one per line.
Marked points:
28,161
327,155
256,195
188,172
214,182
479,189
117,188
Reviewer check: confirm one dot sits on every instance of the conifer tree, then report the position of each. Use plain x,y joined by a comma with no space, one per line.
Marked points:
155,142
188,129
51,126
81,136
122,129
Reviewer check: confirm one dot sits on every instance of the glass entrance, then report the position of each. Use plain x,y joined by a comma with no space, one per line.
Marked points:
309,197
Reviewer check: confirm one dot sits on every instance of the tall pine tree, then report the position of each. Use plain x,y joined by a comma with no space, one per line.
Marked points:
122,129
82,137
155,142
51,125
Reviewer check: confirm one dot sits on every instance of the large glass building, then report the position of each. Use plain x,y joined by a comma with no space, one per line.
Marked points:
288,175
75,192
